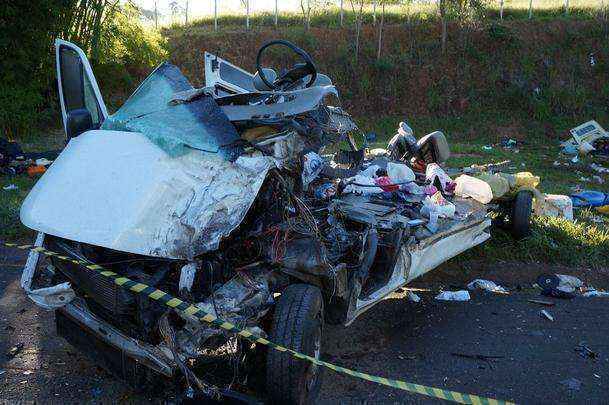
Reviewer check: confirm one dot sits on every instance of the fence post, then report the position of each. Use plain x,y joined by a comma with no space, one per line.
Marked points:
341,13
530,9
501,9
215,15
186,14
247,14
276,12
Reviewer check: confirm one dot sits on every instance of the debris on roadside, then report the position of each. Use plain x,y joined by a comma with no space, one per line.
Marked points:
587,138
541,302
595,293
413,297
489,167
461,295
508,143
559,285
547,315
486,285
591,199
10,187
599,168
572,384
554,205
13,161
585,351
15,350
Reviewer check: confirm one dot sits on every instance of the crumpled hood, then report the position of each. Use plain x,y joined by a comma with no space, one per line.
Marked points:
118,190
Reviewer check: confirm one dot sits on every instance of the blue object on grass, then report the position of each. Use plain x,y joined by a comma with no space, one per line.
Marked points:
590,198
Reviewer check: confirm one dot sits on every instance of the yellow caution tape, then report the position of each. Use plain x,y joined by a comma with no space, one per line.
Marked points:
193,311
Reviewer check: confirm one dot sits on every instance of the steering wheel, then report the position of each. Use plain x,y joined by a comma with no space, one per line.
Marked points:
297,72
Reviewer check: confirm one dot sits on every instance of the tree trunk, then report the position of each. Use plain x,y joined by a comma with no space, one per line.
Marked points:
276,12
186,14
247,14
380,44
444,25
374,12
215,15
341,13
156,16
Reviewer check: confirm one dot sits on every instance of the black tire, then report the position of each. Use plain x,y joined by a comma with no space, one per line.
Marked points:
520,221
298,325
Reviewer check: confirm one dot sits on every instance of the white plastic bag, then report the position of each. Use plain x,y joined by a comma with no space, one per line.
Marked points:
461,295
432,171
361,184
400,173
486,285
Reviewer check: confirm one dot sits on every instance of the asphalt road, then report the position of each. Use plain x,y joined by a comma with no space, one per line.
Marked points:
414,342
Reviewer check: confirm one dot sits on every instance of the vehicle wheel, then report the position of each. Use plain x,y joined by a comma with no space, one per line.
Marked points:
297,324
521,215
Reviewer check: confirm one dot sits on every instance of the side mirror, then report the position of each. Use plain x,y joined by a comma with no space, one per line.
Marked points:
77,122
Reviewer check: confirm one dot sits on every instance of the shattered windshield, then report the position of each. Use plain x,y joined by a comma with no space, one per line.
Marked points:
196,123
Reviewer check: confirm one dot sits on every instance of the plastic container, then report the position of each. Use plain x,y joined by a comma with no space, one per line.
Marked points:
468,186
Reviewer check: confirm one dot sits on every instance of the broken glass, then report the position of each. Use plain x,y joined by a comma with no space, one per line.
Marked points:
198,124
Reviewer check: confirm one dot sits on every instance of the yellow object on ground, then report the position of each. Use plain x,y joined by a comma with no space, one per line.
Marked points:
500,184
526,179
603,210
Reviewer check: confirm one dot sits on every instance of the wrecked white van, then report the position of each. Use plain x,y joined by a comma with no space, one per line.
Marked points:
248,197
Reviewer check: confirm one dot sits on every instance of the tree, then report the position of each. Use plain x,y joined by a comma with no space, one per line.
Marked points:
359,16
305,7
467,13
380,42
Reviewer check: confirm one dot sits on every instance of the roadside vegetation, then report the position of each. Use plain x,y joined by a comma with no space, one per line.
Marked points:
528,80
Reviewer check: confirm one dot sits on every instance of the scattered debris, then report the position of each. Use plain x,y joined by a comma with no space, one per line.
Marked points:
10,187
585,351
486,285
2,371
554,205
589,137
542,302
599,168
461,295
595,293
479,190
413,297
508,143
572,384
476,356
546,315
487,147
13,351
